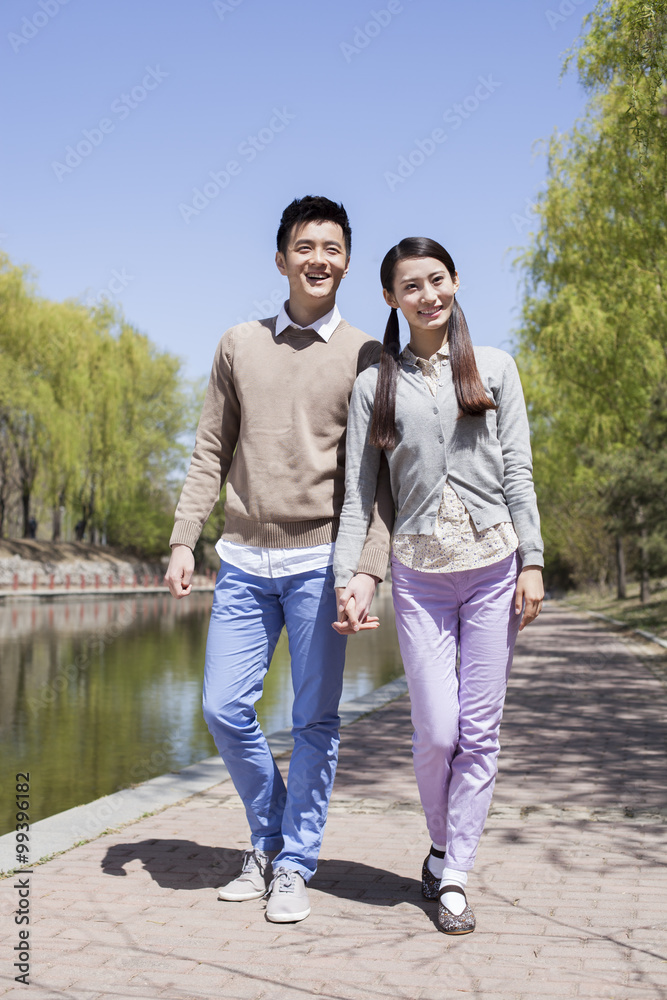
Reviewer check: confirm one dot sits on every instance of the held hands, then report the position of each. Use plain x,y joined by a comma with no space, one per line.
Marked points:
529,595
353,604
179,571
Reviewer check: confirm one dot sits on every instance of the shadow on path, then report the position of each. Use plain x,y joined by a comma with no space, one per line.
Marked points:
183,864
583,727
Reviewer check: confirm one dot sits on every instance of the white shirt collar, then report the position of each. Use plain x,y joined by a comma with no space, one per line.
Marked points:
411,359
323,327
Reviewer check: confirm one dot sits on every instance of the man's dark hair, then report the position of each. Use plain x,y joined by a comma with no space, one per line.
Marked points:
313,208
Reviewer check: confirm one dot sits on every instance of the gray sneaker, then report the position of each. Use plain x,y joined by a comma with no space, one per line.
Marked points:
251,883
288,897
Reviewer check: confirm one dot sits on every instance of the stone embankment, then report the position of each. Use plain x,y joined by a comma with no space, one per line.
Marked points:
34,564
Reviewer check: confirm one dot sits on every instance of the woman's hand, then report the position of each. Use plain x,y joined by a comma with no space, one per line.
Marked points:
529,594
353,604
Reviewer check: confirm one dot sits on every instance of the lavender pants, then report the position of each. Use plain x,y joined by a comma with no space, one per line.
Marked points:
456,719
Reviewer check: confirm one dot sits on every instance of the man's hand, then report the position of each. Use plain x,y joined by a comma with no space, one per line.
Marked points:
353,604
529,595
179,571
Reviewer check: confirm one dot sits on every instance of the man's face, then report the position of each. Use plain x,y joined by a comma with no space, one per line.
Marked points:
314,262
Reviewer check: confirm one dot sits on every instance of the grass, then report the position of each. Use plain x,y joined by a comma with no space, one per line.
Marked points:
652,616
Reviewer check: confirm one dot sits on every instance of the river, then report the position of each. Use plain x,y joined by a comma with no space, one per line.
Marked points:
97,694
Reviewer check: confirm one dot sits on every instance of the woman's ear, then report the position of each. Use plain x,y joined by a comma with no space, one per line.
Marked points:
390,299
456,281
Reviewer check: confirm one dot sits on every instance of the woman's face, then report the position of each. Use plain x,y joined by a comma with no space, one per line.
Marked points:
424,292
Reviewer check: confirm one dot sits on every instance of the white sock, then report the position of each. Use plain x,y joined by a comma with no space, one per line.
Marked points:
454,901
435,865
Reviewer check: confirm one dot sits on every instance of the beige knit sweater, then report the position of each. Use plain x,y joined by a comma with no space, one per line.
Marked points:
273,425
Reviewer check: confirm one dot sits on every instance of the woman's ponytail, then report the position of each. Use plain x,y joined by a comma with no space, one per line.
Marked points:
470,392
383,427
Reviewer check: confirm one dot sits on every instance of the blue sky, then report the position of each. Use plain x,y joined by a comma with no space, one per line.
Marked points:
253,102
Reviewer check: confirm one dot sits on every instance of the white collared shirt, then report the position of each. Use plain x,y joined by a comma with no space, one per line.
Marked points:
271,563
323,327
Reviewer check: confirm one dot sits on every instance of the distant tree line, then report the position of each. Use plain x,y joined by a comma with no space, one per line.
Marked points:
593,338
92,416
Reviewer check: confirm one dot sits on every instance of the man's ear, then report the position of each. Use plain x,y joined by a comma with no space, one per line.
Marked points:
280,262
390,299
347,267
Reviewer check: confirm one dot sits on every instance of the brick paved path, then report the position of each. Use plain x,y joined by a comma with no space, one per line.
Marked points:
570,888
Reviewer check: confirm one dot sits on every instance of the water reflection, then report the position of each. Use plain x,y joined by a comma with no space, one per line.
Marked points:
99,693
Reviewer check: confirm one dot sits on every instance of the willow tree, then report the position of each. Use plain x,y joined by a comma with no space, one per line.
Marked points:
66,330
91,416
593,339
43,388
136,501
26,401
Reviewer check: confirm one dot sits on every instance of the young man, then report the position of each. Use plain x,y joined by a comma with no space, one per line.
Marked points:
273,426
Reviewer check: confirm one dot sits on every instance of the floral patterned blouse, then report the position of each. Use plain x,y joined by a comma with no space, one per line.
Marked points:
455,543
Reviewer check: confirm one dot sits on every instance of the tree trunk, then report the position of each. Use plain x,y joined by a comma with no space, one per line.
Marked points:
91,513
87,514
643,551
57,524
5,482
25,503
621,581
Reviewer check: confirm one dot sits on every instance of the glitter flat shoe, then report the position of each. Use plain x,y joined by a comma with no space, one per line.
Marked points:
449,922
430,882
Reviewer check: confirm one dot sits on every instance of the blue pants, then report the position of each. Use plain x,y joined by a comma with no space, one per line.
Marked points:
246,620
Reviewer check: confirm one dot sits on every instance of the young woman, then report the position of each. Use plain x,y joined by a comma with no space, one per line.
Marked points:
467,551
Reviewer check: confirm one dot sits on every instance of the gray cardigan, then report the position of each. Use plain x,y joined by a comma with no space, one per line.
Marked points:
486,459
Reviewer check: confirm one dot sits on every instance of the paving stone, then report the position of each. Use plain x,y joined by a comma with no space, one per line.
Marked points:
568,890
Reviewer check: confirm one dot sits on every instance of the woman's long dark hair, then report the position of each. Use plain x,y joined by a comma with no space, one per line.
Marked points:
470,392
